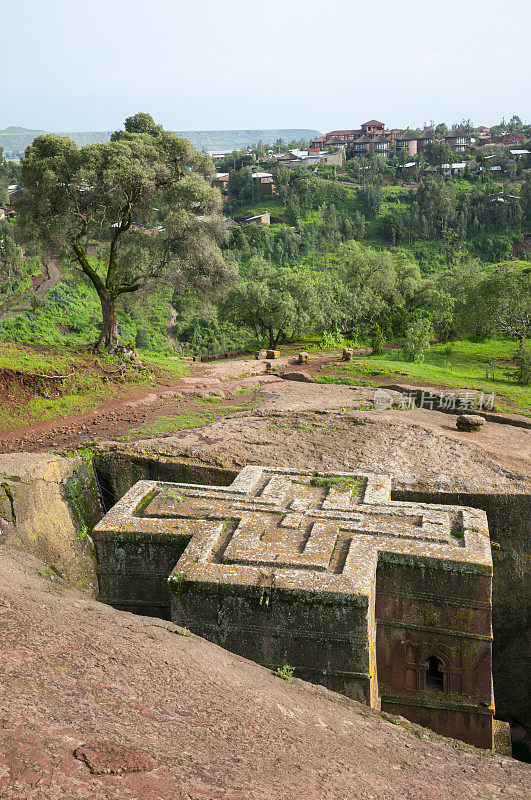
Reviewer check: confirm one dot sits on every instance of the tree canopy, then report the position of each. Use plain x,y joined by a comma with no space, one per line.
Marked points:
145,196
278,302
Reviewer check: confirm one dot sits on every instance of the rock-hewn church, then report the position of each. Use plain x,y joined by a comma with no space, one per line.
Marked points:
386,602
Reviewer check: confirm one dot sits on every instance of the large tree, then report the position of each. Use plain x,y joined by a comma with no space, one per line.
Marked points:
144,197
370,284
438,153
279,303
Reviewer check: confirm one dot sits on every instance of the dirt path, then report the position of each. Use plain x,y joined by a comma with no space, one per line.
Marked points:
247,390
134,409
41,284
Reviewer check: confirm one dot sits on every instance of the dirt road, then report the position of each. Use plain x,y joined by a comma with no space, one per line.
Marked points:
250,391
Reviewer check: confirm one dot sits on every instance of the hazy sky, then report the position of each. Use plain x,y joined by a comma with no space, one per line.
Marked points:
214,64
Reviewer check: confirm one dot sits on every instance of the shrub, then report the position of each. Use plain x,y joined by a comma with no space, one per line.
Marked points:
285,672
377,340
522,371
330,339
142,339
418,334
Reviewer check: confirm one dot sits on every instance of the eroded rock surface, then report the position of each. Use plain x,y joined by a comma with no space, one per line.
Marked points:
390,443
210,724
48,505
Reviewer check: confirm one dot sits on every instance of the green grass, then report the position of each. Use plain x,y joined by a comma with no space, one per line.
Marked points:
247,389
191,418
343,380
171,424
42,360
85,389
459,365
341,483
174,367
233,409
55,360
266,204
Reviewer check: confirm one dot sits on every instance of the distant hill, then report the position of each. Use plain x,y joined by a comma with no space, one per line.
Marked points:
14,139
234,140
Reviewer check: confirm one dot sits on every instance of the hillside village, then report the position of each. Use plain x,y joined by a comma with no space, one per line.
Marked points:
335,148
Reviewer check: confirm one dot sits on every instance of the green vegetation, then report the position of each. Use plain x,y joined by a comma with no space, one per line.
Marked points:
15,139
46,572
247,389
184,632
285,672
69,315
145,192
418,334
277,302
43,382
355,256
456,365
171,424
341,483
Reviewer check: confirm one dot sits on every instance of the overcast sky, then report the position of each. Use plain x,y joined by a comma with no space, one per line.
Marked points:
215,64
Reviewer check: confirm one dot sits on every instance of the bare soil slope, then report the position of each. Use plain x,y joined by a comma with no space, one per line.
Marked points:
206,724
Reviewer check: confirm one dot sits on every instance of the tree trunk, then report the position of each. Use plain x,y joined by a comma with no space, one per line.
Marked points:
108,339
277,339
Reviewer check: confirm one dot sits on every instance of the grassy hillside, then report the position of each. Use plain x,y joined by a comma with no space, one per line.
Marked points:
431,254
39,382
70,315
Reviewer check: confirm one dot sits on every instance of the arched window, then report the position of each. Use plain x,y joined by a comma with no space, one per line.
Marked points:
434,675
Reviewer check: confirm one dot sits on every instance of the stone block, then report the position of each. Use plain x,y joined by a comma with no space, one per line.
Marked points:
260,354
305,377
273,354
303,357
348,354
469,422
